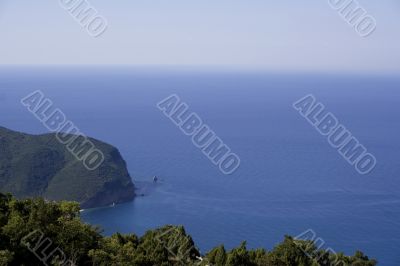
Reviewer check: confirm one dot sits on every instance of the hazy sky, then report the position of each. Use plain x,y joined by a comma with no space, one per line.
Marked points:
305,35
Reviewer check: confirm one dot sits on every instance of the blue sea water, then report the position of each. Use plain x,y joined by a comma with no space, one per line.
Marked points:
290,179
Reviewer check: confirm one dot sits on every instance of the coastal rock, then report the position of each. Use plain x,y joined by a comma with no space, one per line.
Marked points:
39,165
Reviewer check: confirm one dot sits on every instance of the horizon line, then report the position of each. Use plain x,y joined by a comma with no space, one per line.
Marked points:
215,68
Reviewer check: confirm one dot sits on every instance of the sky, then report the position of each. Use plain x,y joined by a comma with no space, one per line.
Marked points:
284,35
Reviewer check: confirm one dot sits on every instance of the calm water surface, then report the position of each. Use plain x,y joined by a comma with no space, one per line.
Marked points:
290,179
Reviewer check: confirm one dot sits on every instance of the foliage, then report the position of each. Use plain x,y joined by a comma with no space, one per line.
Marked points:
288,253
26,224
33,166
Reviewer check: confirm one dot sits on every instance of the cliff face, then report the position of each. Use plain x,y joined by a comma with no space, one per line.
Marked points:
40,165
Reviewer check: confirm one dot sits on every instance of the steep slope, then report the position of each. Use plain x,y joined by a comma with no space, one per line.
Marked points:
32,166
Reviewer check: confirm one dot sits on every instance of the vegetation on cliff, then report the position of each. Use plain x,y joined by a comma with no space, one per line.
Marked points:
32,166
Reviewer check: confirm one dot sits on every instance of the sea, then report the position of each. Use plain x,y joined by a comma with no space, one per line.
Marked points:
290,179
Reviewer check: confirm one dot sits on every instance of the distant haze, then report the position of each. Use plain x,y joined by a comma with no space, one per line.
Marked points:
258,34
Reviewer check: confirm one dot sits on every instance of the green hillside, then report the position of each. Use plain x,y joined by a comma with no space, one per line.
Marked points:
32,166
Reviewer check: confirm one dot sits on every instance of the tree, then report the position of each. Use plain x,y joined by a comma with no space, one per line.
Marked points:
217,256
239,256
32,228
